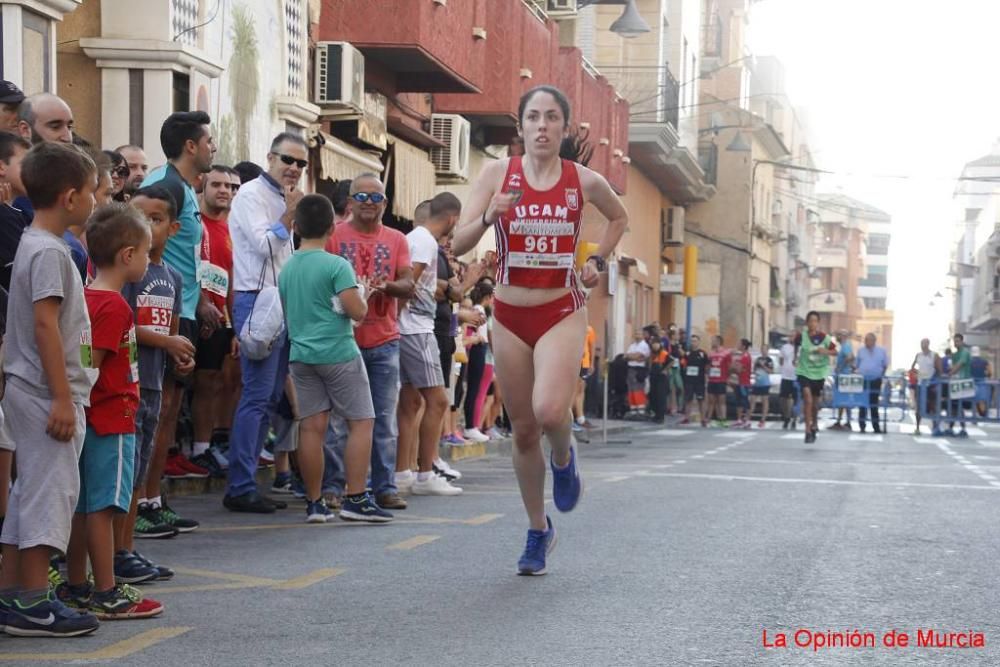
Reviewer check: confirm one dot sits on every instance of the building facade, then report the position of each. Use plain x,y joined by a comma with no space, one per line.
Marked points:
975,259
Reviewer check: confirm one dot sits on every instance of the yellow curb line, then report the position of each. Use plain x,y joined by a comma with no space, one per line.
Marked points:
115,651
413,542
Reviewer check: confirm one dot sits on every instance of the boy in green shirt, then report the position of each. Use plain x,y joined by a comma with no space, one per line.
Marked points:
321,297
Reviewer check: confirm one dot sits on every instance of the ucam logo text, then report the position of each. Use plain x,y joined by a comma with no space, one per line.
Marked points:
541,211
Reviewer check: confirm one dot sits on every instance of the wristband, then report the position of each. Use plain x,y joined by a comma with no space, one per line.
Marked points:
486,224
601,263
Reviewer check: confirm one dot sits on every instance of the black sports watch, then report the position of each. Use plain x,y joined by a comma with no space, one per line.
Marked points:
602,264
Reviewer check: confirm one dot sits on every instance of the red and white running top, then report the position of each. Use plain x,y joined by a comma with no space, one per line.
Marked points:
536,240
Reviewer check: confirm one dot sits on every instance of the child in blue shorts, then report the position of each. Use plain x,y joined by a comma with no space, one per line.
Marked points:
118,240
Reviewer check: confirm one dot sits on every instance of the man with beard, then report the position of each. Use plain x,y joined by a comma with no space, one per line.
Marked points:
213,346
186,140
260,224
138,167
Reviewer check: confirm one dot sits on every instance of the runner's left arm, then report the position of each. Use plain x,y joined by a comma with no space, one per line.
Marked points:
597,191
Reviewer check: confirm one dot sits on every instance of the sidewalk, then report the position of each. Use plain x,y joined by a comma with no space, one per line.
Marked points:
452,453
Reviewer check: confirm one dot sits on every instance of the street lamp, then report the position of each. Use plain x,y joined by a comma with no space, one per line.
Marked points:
630,24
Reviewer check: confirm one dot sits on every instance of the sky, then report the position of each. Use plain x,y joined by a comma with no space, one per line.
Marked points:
894,87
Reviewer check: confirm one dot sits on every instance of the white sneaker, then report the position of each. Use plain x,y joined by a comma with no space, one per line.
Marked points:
446,470
475,435
435,486
404,481
495,434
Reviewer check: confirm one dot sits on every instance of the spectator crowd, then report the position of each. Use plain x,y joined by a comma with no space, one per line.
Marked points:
198,319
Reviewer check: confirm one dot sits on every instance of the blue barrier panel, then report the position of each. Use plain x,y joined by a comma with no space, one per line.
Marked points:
967,400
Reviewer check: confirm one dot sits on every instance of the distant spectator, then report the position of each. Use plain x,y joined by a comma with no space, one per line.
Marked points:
10,99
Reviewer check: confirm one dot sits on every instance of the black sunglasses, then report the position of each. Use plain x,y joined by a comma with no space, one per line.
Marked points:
373,197
121,172
289,160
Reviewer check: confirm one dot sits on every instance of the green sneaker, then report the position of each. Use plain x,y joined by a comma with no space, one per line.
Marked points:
55,577
130,592
150,524
172,519
74,597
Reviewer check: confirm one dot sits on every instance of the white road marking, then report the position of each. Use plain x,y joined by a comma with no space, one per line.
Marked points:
989,443
671,432
931,441
735,434
995,486
875,437
698,456
793,436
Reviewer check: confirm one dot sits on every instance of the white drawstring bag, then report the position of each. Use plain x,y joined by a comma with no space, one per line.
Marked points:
266,321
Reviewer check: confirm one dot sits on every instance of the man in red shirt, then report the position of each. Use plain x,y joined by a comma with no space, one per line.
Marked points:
718,374
381,254
741,364
214,344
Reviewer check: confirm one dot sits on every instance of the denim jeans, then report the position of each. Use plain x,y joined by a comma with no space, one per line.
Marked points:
382,364
263,386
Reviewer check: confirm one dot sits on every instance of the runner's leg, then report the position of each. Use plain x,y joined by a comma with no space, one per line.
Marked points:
556,361
516,360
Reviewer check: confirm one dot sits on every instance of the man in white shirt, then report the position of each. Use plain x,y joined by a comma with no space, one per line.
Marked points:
420,372
638,363
788,392
260,223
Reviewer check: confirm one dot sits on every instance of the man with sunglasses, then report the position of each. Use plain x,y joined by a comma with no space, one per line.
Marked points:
260,223
138,167
381,254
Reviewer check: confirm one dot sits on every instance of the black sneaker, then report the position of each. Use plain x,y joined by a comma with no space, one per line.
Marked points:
162,571
74,597
209,463
150,524
131,570
363,508
49,618
171,518
251,502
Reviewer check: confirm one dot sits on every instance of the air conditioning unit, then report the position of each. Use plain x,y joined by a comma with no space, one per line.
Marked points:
339,77
562,8
451,162
672,226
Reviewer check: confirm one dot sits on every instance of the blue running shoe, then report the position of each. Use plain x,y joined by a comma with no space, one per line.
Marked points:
49,618
363,508
540,544
963,434
567,486
318,512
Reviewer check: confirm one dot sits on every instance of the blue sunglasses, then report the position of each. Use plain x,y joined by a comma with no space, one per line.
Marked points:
373,197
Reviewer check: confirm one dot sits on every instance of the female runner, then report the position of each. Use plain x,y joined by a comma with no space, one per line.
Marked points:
535,202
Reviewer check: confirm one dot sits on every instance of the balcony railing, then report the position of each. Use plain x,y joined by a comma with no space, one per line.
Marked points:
708,158
831,258
670,95
711,38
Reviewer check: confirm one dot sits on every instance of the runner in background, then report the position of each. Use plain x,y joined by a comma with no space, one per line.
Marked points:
579,418
695,366
718,375
814,350
788,393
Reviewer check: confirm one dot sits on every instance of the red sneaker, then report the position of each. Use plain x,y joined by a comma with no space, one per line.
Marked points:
173,471
179,463
118,605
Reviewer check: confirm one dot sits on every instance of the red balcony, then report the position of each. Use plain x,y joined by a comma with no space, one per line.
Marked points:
428,47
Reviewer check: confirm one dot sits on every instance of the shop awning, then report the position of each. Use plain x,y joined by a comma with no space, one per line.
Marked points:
413,177
341,161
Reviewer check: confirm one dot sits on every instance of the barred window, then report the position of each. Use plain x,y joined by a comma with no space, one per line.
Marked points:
294,42
184,19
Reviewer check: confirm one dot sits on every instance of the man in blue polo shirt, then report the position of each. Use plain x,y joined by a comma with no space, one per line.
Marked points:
872,363
187,143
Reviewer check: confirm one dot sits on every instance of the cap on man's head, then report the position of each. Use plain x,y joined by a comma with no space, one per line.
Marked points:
10,94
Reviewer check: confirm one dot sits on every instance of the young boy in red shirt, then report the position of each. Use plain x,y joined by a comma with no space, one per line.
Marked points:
118,240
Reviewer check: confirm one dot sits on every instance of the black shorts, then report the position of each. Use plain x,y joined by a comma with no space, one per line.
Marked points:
716,388
188,329
814,387
446,346
584,373
760,391
788,389
212,351
694,391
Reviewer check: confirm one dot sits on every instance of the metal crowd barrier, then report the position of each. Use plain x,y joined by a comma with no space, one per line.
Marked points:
854,391
952,400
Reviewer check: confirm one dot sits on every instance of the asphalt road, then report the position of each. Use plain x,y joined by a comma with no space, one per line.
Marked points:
686,548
